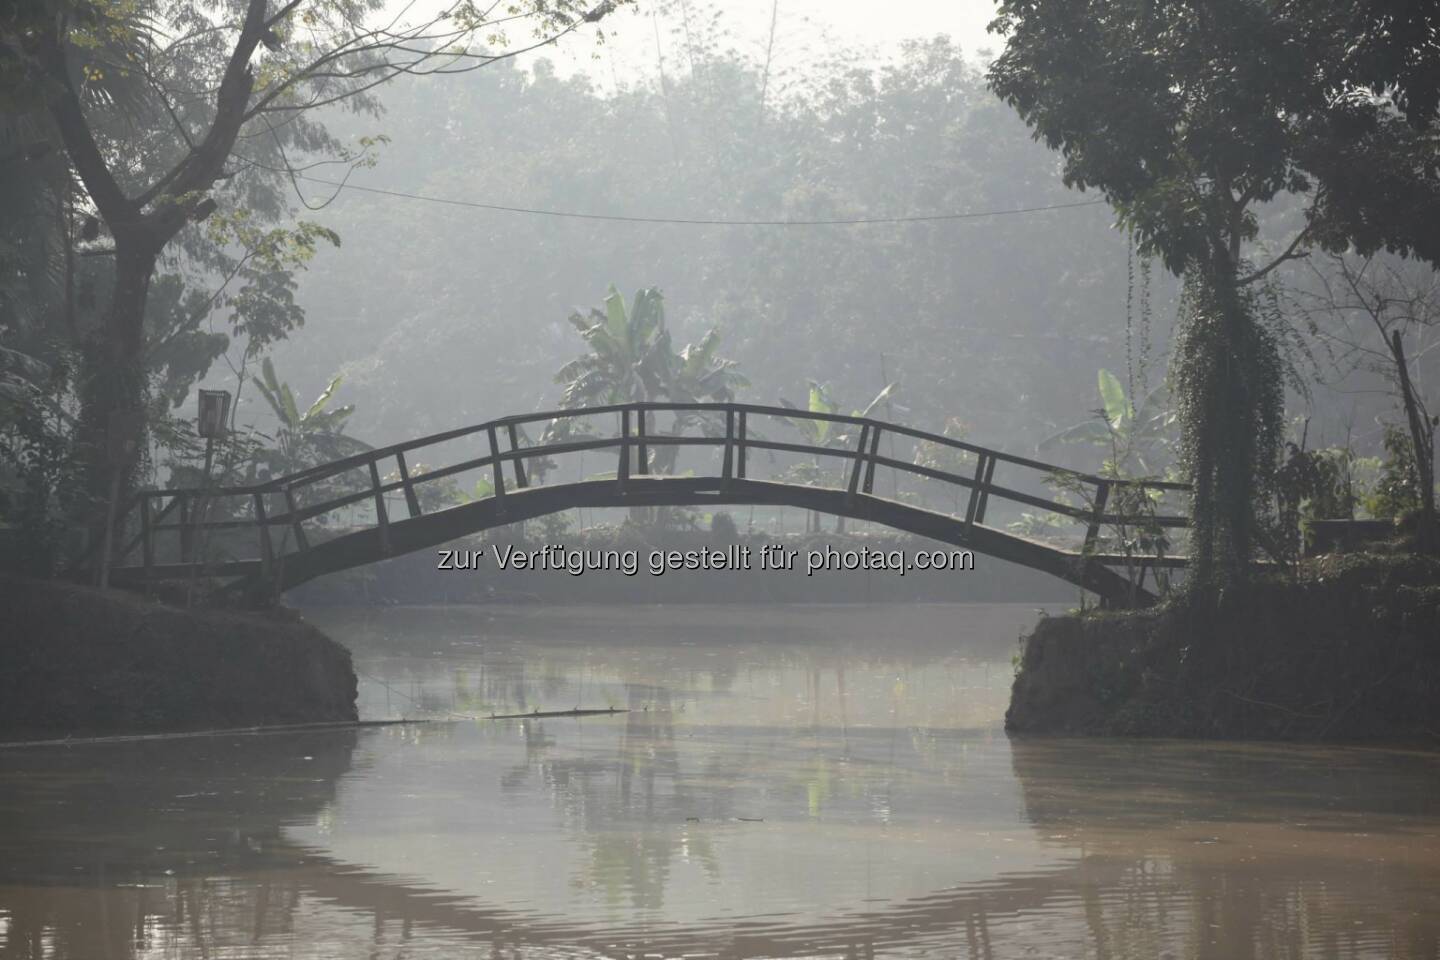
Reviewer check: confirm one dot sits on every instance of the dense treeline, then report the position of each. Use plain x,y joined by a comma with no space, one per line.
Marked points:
120,292
443,315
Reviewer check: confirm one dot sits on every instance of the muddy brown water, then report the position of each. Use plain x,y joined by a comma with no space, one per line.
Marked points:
787,782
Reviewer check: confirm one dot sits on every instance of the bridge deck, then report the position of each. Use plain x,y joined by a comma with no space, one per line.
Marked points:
282,503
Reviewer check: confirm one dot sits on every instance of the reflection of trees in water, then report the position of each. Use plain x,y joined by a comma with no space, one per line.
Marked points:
186,917
623,809
1223,852
1140,887
514,677
111,849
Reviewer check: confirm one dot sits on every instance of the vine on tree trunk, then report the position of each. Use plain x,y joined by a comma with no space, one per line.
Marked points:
1229,387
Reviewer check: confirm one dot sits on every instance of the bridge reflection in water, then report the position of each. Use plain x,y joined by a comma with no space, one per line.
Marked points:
851,796
950,487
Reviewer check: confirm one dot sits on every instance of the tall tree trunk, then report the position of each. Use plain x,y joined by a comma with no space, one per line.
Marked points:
113,387
1219,399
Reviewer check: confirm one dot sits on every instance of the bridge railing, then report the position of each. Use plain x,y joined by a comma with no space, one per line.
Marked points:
277,510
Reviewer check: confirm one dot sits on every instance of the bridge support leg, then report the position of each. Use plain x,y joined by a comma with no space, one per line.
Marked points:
973,507
412,502
1092,533
382,516
267,546
727,466
499,473
520,480
296,526
740,449
147,539
622,470
858,470
642,452
874,452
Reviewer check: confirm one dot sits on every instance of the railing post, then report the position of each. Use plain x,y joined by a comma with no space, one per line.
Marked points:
382,516
858,469
301,540
186,534
147,541
984,500
622,470
1092,533
267,548
974,505
499,471
520,479
642,454
412,502
727,463
740,449
874,450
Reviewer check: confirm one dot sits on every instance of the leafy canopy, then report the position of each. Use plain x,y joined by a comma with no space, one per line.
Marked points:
1185,114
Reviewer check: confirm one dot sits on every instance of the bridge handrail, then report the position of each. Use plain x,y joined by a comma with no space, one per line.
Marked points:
863,453
364,458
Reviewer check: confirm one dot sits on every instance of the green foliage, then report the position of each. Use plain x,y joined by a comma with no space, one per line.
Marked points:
484,488
1188,114
432,495
1229,385
632,360
1397,491
830,433
999,319
38,486
1134,442
1310,485
939,456
1185,113
722,526
554,527
310,438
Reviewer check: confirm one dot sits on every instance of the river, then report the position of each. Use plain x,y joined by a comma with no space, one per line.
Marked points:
826,781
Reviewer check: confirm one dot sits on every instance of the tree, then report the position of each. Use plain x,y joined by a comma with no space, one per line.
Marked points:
632,360
1004,318
1369,307
306,439
216,102
1188,115
630,354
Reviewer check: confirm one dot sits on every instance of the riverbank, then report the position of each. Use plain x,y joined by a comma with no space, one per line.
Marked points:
77,661
1348,650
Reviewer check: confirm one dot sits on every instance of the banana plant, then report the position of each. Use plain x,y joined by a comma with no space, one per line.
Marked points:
630,353
632,359
310,438
1135,441
828,434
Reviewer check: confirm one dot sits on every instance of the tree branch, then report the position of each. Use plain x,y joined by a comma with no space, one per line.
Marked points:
1289,254
117,210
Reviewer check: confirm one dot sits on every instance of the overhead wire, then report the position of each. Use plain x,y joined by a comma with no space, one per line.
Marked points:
699,221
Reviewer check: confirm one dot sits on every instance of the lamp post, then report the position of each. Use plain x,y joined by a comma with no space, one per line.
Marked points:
211,421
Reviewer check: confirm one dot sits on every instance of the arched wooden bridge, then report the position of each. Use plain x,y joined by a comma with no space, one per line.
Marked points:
176,533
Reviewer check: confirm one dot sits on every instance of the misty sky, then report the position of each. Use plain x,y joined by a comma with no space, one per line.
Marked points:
805,30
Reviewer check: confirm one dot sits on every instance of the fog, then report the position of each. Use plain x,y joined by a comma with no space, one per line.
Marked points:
440,314
439,310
